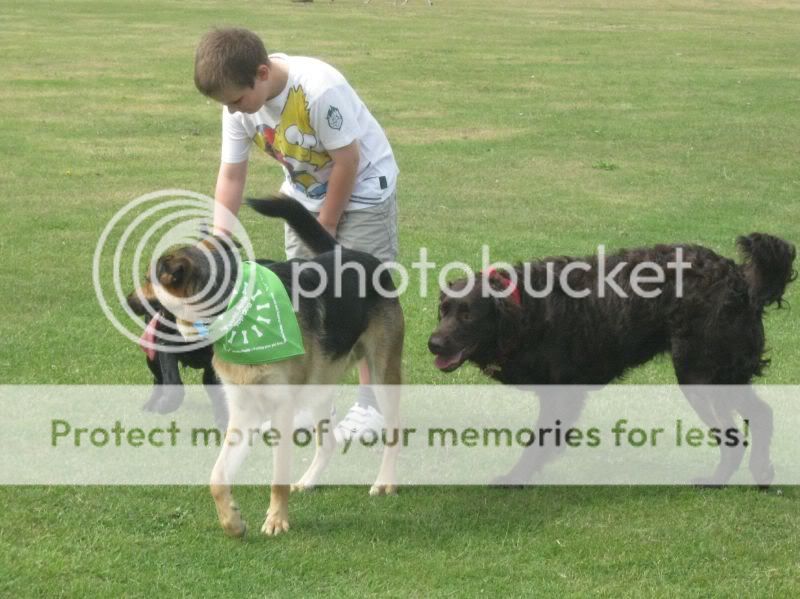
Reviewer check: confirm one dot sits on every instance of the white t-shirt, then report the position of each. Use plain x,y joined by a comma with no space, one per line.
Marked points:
316,111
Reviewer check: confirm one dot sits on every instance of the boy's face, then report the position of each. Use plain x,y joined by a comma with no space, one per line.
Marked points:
247,99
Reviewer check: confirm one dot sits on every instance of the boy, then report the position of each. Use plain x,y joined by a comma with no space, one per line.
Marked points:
335,156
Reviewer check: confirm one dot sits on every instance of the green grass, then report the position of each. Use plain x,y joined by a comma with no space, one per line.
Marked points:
538,127
427,541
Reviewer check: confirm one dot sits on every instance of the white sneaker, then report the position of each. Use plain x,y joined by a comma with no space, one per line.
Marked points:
357,422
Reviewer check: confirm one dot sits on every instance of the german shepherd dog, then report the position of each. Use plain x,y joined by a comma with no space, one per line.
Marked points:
712,330
340,324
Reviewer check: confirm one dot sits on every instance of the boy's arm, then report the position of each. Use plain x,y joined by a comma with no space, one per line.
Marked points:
228,196
340,185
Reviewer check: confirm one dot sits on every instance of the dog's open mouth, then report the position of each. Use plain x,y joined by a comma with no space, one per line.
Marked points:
148,338
450,363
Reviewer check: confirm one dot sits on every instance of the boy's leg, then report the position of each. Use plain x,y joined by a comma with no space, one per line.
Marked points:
372,230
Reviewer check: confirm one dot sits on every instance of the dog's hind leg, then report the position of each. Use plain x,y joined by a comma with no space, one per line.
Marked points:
325,445
731,455
758,414
244,422
384,351
558,409
719,360
695,360
388,397
716,413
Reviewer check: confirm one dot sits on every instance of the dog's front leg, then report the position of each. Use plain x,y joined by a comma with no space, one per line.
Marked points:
236,446
158,385
219,405
556,409
172,397
278,513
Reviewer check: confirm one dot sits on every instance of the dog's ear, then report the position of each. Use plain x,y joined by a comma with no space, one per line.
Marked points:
496,282
509,325
171,270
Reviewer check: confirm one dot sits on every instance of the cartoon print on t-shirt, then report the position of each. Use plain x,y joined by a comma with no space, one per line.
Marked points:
334,117
265,140
293,144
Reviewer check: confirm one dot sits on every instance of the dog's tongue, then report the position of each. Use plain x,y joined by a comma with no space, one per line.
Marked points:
445,362
149,337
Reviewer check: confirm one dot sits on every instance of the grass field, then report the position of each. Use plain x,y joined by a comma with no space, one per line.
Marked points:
539,127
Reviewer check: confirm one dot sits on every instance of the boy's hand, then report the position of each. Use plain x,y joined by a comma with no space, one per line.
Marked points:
228,196
340,185
329,226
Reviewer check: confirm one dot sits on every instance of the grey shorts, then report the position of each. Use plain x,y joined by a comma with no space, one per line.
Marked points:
372,230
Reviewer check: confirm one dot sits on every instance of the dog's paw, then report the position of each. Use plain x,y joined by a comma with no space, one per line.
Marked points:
506,481
302,487
707,482
152,402
382,489
169,401
763,474
232,524
275,524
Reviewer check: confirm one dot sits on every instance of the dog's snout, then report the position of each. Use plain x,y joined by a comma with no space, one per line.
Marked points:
136,302
436,344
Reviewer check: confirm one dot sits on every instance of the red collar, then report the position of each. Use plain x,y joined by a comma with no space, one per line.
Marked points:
506,282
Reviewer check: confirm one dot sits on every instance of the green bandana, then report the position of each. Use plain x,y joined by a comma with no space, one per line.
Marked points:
259,325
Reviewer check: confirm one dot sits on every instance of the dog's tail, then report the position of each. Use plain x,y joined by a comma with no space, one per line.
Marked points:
767,267
301,220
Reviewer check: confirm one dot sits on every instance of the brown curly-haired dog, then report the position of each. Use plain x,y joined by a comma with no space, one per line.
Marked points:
712,329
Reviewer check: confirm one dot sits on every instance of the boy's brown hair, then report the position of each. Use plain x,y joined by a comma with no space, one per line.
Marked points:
226,58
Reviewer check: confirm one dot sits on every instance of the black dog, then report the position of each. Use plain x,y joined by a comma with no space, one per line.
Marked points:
167,395
712,330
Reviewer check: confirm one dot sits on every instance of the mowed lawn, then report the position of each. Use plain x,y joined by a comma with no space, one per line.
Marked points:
538,128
